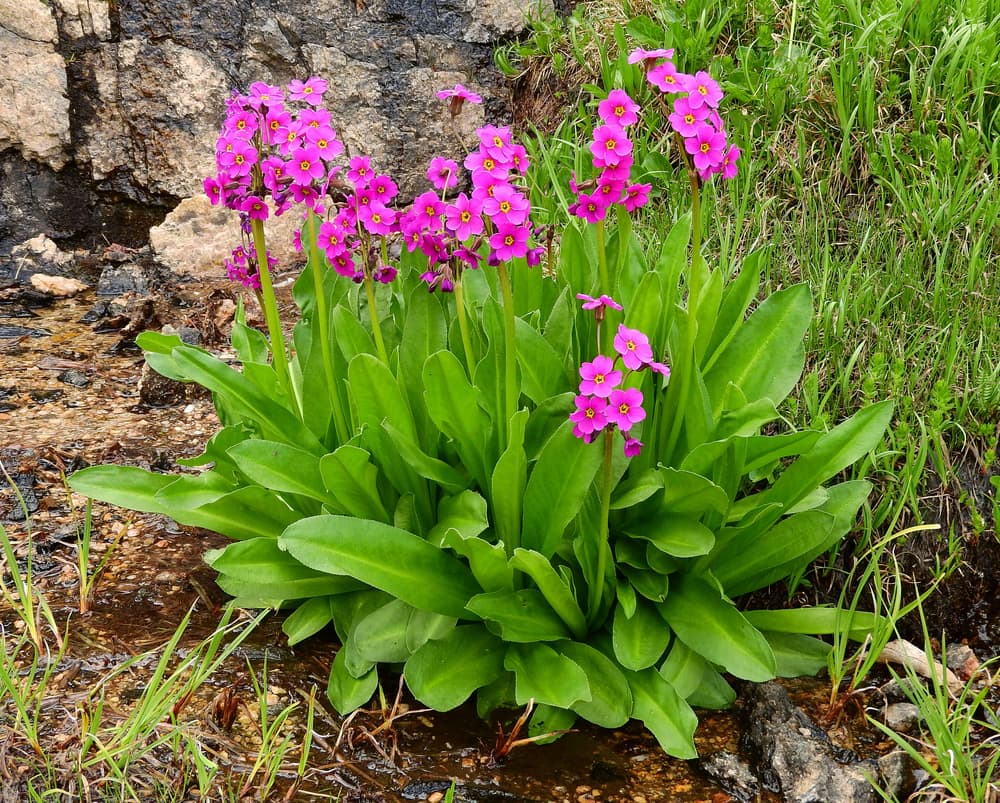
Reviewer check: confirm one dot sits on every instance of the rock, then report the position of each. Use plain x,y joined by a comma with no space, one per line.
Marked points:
902,717
962,660
61,286
136,276
156,390
731,773
40,254
71,376
82,19
34,107
794,757
197,237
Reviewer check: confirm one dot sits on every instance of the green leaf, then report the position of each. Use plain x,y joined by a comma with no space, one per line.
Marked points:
548,722
736,299
453,406
690,494
555,590
247,512
636,489
258,564
557,488
381,636
815,621
507,483
639,641
280,467
712,627
345,692
377,395
610,705
443,674
352,481
542,373
798,655
521,616
680,536
464,513
543,675
431,468
122,486
487,561
695,679
764,358
661,709
307,620
748,564
396,561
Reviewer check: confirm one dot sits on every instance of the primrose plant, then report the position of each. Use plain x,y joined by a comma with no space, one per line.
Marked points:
514,462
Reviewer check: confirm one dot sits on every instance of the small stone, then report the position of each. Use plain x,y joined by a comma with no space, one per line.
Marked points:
434,797
61,286
962,660
902,717
77,379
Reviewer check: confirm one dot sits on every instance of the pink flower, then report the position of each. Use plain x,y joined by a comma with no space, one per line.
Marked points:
383,188
332,239
510,241
377,218
702,90
660,368
485,162
589,207
666,78
265,95
618,109
729,158
633,347
589,302
327,143
311,91
442,173
624,408
632,447
459,92
610,144
464,217
508,204
686,119
496,142
636,195
255,207
360,171
647,56
589,416
707,147
305,165
429,208
599,377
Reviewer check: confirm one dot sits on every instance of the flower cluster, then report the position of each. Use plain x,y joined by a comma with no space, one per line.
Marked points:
603,400
611,150
695,115
450,232
242,267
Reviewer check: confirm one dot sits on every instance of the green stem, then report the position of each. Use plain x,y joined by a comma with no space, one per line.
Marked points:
270,306
318,263
373,316
695,216
509,352
605,279
463,326
597,588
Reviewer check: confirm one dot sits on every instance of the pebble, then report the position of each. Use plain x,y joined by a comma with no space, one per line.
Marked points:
434,797
902,717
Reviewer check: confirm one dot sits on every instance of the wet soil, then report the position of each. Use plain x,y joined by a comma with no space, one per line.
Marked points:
69,397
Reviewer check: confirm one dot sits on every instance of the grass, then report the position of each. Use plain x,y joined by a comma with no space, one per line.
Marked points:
64,743
869,133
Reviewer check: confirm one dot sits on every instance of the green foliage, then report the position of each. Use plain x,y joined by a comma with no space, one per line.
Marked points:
460,530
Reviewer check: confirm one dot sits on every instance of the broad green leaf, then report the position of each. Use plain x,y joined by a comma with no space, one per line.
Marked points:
714,628
349,609
543,675
610,705
636,489
736,300
443,674
424,332
437,471
695,679
498,694
751,564
507,483
248,512
258,563
345,692
542,373
765,356
377,395
521,616
680,536
555,590
352,338
396,561
673,259
123,486
639,641
352,481
661,709
557,488
381,636
798,655
547,723
652,585
465,513
833,452
189,491
815,621
280,467
308,619
487,561
453,406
